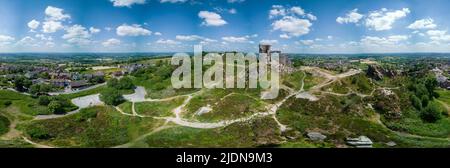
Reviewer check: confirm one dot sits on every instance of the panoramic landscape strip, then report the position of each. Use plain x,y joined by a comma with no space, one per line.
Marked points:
224,74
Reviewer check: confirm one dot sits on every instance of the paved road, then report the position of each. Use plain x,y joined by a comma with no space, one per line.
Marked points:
81,102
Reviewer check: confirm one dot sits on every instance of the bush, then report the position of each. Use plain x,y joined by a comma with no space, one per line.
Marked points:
44,100
123,84
431,113
38,132
111,96
7,103
4,125
126,83
416,102
55,107
425,100
86,114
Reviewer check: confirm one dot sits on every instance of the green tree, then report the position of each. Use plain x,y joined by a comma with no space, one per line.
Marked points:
113,83
55,107
111,96
431,83
126,83
416,102
44,100
21,83
297,63
35,89
431,113
425,100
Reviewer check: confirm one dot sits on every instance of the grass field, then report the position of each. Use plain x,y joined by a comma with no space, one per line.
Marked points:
158,109
259,132
126,107
23,103
358,83
99,126
411,123
225,104
444,96
294,80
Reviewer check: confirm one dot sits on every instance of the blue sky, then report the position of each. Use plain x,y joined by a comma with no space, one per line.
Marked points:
301,26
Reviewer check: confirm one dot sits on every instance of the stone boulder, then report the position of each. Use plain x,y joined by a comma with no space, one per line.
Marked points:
374,72
360,142
316,136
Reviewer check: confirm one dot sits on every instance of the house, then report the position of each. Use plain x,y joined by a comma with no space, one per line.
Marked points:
117,73
78,84
38,81
59,82
99,74
32,74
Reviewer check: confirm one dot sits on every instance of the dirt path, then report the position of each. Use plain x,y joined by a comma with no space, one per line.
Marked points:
12,133
36,144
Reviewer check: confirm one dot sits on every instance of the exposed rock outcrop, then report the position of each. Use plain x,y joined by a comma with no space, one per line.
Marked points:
376,72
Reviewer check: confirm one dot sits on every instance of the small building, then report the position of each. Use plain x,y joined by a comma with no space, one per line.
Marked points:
117,73
59,82
99,74
78,84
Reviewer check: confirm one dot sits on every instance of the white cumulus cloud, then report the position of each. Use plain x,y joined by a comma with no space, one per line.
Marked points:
266,41
126,3
423,24
211,18
51,26
55,14
173,1
351,17
33,24
6,40
384,19
383,41
132,30
94,30
292,26
77,34
111,42
233,39
168,41
438,35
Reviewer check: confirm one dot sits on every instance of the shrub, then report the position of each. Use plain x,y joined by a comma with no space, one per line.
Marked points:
431,113
43,100
425,100
86,114
4,125
55,107
38,132
416,102
111,96
7,103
